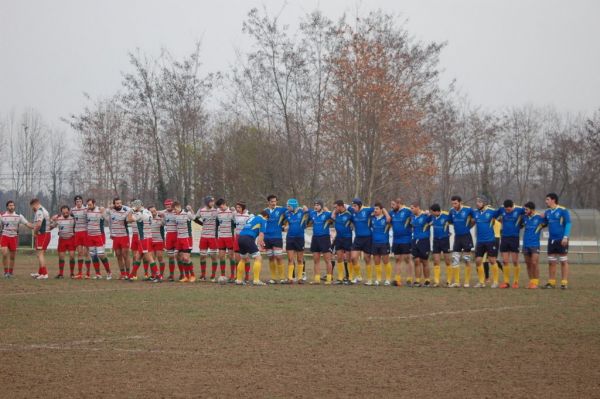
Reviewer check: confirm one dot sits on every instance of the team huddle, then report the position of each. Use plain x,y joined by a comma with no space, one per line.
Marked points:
341,238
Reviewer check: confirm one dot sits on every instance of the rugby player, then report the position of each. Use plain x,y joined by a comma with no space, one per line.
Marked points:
252,233
225,228
532,223
274,239
9,241
558,219
119,234
295,221
440,223
421,244
342,243
380,244
402,237
511,217
462,221
485,217
66,239
209,247
320,244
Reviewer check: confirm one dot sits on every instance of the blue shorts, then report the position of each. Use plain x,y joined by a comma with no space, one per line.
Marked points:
555,248
528,251
420,249
441,245
401,249
247,245
271,243
380,248
362,244
294,244
463,243
489,248
342,243
509,244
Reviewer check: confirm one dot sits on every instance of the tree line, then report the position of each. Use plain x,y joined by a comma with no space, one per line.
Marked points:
332,109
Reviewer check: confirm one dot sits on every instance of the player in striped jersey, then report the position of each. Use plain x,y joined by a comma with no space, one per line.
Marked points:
158,241
79,213
66,239
41,233
169,216
241,216
119,233
96,239
9,241
207,218
225,228
183,220
143,224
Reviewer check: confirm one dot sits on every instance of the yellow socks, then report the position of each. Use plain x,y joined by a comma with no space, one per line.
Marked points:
449,274
299,271
340,270
369,271
552,282
256,270
506,273
357,270
281,270
436,274
495,273
273,269
480,275
378,272
290,271
564,282
456,272
350,271
398,279
239,273
468,274
516,272
317,279
388,271
329,278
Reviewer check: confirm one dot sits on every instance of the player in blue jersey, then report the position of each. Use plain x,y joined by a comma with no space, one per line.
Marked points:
440,222
511,217
361,218
380,244
421,244
558,220
274,239
462,221
320,244
342,243
402,237
252,233
485,218
532,224
296,219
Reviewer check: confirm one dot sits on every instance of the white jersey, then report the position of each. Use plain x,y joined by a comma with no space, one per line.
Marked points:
158,229
184,224
170,221
117,220
11,223
240,220
143,219
42,218
80,215
66,227
95,222
208,217
225,223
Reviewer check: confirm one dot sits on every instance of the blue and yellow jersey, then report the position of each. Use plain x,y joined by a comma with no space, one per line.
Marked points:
559,222
441,225
532,230
275,222
380,230
296,222
362,221
511,221
484,221
462,220
254,226
321,221
401,225
343,224
421,226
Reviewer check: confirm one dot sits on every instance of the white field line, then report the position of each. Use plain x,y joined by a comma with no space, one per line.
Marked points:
67,345
453,312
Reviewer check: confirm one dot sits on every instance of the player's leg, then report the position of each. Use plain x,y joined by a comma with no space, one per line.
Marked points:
291,259
448,268
516,269
506,257
5,252
61,264
340,257
426,275
378,270
418,271
385,259
355,258
564,271
71,253
101,253
221,254
329,266
495,271
480,273
316,268
535,270
436,267
12,255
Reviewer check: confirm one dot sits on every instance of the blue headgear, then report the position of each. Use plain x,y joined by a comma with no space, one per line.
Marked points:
293,203
207,199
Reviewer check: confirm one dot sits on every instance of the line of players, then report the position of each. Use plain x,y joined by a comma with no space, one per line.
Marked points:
360,231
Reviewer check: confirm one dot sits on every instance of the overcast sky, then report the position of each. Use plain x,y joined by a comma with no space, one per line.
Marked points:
501,53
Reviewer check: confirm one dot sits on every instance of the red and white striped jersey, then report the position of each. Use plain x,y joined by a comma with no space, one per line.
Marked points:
208,217
170,222
225,223
95,222
42,218
66,227
143,219
11,223
158,229
80,215
240,220
184,224
117,221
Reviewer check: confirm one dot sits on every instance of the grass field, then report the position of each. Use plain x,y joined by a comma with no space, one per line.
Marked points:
64,338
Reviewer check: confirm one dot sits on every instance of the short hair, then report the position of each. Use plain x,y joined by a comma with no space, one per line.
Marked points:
271,196
509,203
78,197
176,204
34,201
264,213
9,202
378,205
553,196
416,204
65,207
241,204
116,199
339,203
529,205
456,198
435,208
220,202
91,199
